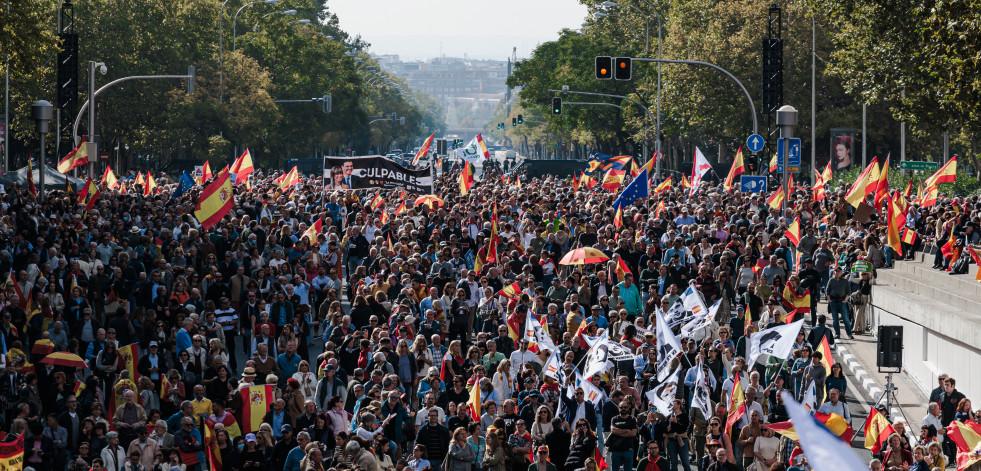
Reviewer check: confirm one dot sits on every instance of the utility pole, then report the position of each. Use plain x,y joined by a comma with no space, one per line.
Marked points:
814,99
865,115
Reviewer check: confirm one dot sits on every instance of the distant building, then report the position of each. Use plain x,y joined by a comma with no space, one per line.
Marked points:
469,89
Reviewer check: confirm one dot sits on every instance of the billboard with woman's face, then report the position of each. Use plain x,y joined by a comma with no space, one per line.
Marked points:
842,148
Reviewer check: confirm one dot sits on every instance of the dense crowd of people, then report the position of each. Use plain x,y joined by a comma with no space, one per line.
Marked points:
375,335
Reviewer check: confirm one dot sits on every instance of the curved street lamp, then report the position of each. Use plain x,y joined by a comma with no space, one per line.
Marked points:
221,45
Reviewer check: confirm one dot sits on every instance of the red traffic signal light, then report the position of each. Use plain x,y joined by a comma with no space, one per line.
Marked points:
622,69
604,67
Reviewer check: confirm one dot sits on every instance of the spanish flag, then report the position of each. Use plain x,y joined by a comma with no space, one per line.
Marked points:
588,181
242,167
313,231
864,184
78,157
622,268
109,178
289,179
659,208
256,401
826,359
206,172
909,188
793,232
833,422
128,358
423,150
894,223
929,197
776,199
684,182
466,179
967,437
231,426
211,448
664,186
376,202
473,403
215,202
736,169
882,186
737,404
139,179
151,184
977,261
613,180
773,164
600,462
401,208
801,303
42,347
819,187
877,431
946,174
618,218
512,291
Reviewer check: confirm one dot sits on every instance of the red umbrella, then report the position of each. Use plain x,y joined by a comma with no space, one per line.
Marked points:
584,256
65,359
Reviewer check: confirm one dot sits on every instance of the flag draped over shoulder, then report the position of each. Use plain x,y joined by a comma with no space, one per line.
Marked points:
215,202
256,401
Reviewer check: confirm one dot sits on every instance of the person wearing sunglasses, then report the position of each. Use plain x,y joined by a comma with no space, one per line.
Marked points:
583,443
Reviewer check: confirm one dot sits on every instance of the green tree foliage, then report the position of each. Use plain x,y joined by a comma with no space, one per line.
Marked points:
27,36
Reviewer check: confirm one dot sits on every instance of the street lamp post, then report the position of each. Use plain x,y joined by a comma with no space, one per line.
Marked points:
786,120
221,31
43,113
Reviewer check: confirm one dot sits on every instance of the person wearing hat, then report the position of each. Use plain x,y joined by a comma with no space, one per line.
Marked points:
152,364
717,457
542,462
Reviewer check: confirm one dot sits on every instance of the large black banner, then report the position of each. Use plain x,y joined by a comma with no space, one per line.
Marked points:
355,173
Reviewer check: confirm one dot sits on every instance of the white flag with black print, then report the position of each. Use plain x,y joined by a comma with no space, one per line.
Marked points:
776,341
700,395
668,347
676,315
699,326
662,396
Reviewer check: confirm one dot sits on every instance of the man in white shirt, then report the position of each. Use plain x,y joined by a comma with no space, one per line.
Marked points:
833,405
933,418
423,415
751,405
521,356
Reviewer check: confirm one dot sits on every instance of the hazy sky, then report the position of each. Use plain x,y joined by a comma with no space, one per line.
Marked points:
422,29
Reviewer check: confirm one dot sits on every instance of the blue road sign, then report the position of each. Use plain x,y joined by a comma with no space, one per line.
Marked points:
755,143
752,184
793,161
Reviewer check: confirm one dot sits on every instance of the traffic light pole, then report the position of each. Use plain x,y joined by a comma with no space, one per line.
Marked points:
749,99
621,97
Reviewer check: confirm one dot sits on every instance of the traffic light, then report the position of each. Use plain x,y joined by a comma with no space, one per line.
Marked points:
752,164
521,120
604,67
556,105
514,121
622,69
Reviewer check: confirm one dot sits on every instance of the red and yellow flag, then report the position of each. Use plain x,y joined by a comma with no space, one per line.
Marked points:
78,157
151,184
473,403
211,449
776,199
773,164
401,208
289,178
613,180
820,192
834,422
894,224
109,178
659,208
909,188
206,172
618,218
313,231
967,437
864,184
256,401
826,359
466,179
736,168
12,454
242,167
684,182
664,186
737,404
622,268
793,232
423,150
882,186
929,197
877,431
512,291
128,358
946,174
791,301
215,202
376,202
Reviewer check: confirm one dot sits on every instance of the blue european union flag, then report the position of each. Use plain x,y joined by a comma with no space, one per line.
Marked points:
470,259
184,184
639,188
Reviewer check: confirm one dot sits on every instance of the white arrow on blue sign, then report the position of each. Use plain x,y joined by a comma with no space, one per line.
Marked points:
755,143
